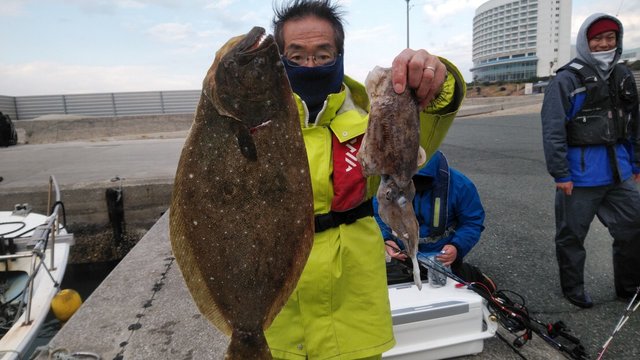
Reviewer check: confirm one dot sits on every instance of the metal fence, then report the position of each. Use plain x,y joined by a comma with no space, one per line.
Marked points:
111,104
8,106
101,104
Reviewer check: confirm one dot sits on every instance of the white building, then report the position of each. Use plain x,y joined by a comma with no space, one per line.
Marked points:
517,40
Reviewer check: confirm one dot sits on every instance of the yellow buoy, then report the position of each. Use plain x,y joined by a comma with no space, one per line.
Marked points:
65,304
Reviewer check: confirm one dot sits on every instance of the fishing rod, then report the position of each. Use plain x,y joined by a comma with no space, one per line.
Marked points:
627,313
512,315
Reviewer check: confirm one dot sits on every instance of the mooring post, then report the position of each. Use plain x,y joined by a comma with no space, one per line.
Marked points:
115,207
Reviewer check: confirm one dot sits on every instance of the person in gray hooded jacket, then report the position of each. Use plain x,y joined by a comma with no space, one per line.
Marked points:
591,143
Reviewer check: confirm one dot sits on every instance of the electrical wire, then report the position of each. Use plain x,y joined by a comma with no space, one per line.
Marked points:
510,310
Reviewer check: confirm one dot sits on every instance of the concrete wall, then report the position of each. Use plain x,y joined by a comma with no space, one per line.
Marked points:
61,128
507,101
86,205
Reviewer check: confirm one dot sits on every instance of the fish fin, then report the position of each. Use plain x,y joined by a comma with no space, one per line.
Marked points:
245,141
248,345
212,313
303,249
188,266
416,272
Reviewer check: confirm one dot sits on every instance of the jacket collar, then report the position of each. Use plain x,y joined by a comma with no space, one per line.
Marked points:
353,96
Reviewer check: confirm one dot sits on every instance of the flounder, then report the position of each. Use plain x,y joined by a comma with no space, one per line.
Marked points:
391,148
241,216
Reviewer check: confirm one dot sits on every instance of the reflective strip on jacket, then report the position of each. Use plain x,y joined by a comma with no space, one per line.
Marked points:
340,307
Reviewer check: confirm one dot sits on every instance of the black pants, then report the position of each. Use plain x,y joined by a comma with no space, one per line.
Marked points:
618,208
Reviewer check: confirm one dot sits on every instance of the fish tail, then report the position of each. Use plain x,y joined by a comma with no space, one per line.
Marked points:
248,345
416,272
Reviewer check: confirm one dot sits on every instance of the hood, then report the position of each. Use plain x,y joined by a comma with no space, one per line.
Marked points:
582,44
430,169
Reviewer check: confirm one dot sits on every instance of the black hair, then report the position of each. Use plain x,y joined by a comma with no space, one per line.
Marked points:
298,9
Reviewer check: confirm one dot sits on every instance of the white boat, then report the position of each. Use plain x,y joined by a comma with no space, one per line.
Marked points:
34,249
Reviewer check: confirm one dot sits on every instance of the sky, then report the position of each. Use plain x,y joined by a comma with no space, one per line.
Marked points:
54,47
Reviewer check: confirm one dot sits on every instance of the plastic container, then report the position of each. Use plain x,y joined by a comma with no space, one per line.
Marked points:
437,323
435,275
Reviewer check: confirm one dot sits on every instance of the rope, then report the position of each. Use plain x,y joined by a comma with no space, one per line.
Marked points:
62,354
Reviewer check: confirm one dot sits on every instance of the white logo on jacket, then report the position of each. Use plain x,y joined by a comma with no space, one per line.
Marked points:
350,157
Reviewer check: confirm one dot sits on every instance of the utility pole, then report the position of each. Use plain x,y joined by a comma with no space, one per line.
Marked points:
407,23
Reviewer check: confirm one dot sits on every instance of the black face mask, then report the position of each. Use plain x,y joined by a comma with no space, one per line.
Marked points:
314,84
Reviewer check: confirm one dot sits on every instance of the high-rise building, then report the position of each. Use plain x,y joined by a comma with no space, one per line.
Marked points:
517,40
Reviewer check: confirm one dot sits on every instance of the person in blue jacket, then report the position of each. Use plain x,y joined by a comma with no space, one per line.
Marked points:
451,233
591,139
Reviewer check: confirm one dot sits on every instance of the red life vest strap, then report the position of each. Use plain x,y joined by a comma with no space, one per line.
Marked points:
349,184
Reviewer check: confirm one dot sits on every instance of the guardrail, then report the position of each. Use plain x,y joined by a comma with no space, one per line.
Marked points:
101,104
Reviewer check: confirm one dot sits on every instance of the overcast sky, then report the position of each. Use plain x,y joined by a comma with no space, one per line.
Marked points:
88,46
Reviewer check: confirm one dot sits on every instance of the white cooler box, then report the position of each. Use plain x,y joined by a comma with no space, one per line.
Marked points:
437,323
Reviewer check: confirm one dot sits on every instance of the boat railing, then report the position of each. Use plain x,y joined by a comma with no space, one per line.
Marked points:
53,222
43,237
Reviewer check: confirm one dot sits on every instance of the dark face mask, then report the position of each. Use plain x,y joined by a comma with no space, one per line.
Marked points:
314,84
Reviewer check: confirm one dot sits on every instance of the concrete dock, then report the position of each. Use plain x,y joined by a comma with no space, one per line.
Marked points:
143,310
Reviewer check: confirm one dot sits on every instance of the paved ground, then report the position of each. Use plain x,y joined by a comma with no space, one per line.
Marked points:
142,310
502,154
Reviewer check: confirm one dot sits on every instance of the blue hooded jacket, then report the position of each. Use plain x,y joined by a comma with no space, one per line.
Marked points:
464,209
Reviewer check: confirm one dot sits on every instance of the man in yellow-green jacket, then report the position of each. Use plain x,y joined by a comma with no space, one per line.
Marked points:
340,307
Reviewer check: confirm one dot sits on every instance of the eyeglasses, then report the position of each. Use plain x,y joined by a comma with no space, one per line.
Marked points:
320,58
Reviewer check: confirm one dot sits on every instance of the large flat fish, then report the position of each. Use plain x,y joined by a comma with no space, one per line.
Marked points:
391,149
241,217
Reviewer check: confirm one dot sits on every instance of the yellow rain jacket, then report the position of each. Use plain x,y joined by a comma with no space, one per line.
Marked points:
340,307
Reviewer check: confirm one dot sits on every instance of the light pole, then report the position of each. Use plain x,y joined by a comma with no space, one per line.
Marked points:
407,23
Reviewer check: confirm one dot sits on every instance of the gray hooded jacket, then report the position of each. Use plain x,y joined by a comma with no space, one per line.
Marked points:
587,165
